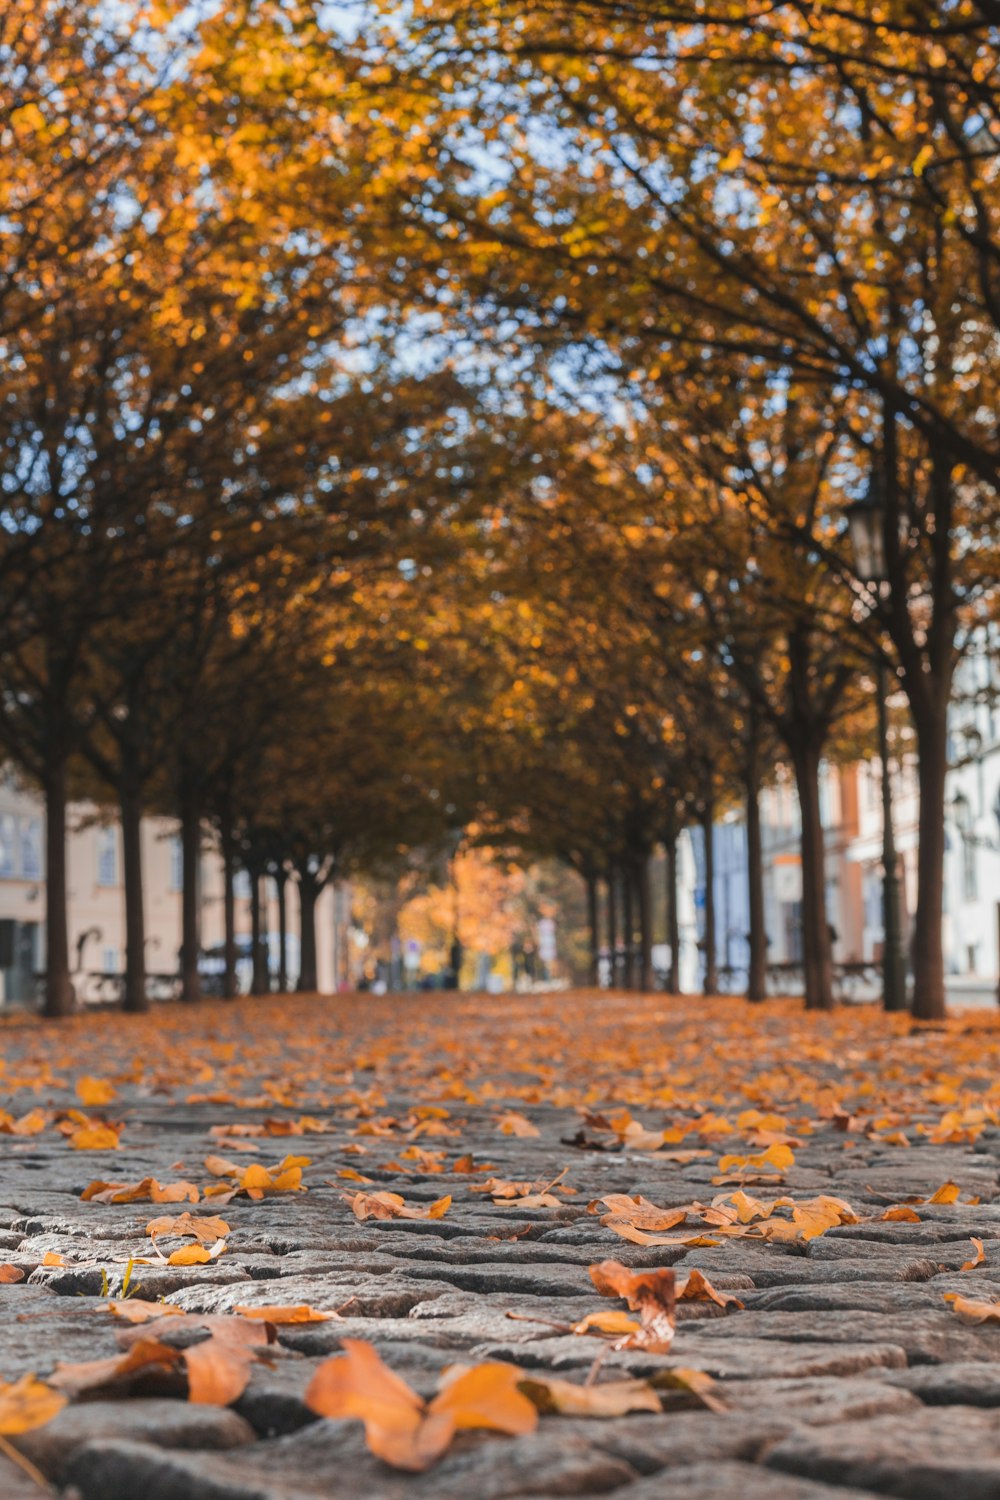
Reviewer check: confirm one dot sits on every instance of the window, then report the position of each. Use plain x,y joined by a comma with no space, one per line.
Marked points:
107,856
8,834
31,848
176,864
110,960
241,885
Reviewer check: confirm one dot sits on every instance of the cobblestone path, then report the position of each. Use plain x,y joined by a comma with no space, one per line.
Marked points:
845,1371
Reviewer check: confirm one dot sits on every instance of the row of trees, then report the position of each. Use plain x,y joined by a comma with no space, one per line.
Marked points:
449,421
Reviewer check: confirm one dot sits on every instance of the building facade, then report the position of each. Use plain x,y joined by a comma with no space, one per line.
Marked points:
97,908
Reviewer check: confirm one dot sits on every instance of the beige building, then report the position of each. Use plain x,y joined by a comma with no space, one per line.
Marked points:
97,908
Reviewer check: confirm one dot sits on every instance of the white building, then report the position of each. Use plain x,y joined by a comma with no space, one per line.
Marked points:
96,902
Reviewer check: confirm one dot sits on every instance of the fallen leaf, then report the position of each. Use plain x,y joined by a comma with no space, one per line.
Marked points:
50,1258
95,1374
616,1323
978,1258
776,1158
613,1398
400,1427
26,1404
393,1206
205,1228
515,1124
195,1255
281,1316
971,1311
640,1213
901,1215
134,1192
93,1092
947,1193
696,1287
652,1294
95,1137
9,1274
135,1310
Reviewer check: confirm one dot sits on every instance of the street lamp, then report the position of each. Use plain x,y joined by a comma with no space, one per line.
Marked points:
866,525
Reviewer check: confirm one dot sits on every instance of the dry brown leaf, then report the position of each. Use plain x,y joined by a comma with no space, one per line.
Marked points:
978,1258
947,1193
652,1294
205,1228
135,1310
393,1206
134,1192
642,1214
282,1316
10,1274
95,1374
515,1124
400,1427
696,1287
26,1404
901,1214
614,1323
973,1311
612,1398
93,1092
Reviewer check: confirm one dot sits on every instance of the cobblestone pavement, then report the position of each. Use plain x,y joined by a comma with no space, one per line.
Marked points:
844,1373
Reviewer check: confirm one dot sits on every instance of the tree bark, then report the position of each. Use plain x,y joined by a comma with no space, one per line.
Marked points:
612,930
59,995
190,898
230,986
816,954
593,925
281,881
628,918
308,981
711,984
673,922
645,924
260,983
135,998
757,937
929,1001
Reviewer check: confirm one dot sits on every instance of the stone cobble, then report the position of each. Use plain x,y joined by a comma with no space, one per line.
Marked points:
844,1375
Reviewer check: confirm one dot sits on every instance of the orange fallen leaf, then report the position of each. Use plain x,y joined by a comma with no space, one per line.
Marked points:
96,1136
515,1124
9,1274
947,1193
281,1316
26,1404
612,1398
979,1256
616,1323
901,1215
32,1123
93,1092
205,1228
393,1206
135,1310
696,1287
776,1158
134,1192
50,1258
627,1231
972,1311
400,1427
196,1255
640,1213
652,1294
95,1374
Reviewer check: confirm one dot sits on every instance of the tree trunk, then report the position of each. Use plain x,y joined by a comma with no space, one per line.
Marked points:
135,997
928,947
645,924
308,982
593,925
230,986
711,985
612,930
816,955
58,985
673,922
281,881
757,937
259,983
628,919
190,898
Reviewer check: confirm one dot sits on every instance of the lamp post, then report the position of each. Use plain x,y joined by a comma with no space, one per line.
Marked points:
866,524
